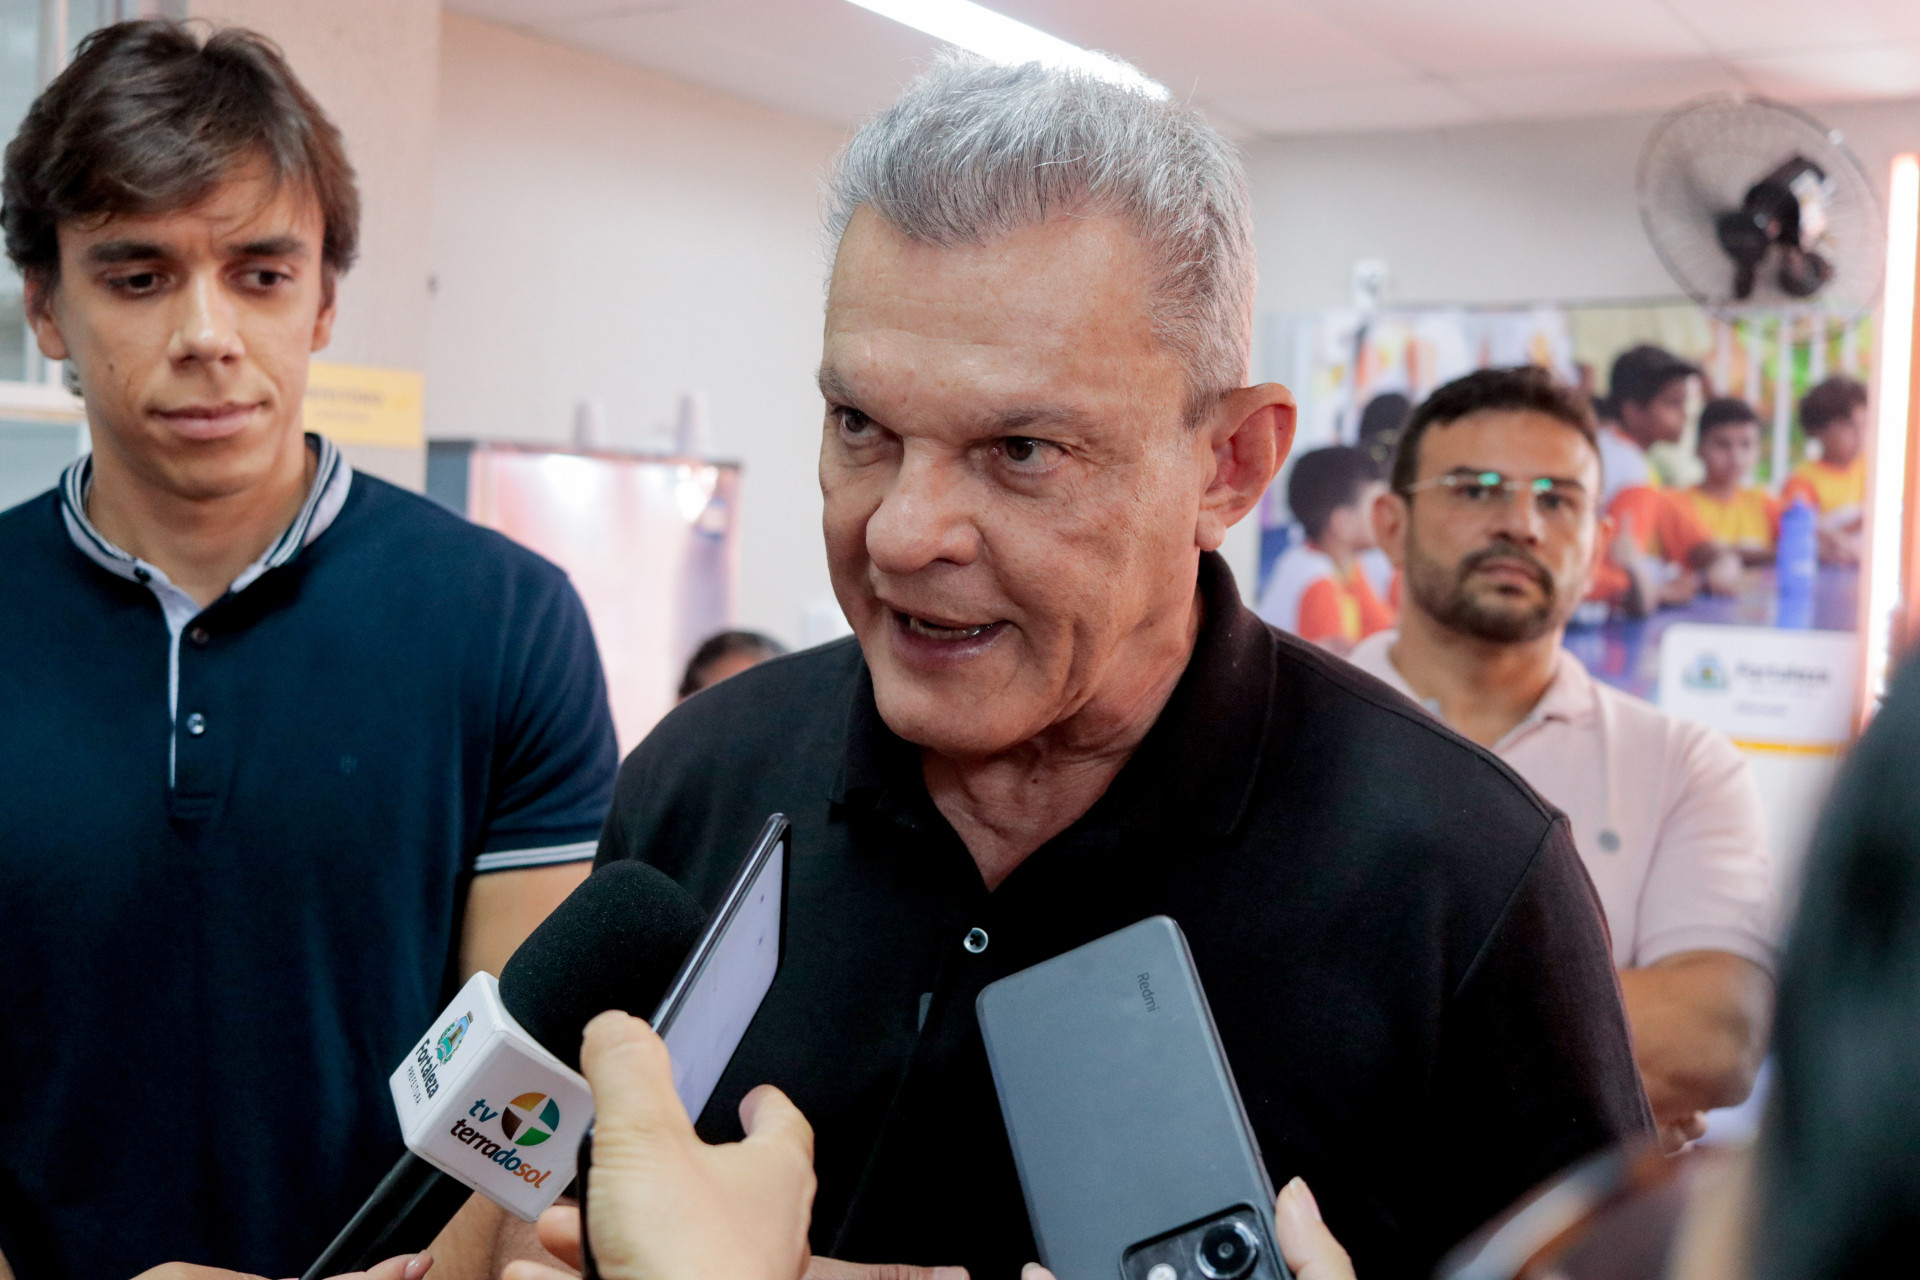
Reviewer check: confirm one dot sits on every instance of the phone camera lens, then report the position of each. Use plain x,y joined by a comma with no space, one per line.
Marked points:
1227,1251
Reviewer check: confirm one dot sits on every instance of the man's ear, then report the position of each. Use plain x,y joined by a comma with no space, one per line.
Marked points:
1391,515
39,308
1603,534
1250,433
323,322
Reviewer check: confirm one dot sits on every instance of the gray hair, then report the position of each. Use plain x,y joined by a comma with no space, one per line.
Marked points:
973,150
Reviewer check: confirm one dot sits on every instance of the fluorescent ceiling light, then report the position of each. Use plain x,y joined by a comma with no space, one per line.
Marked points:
1002,39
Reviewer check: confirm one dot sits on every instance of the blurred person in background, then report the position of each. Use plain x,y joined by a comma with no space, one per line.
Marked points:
1318,588
1662,554
723,654
1381,423
1645,405
288,751
1835,483
1738,513
1492,523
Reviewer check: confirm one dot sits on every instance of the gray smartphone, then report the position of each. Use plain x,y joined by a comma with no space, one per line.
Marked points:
1133,1148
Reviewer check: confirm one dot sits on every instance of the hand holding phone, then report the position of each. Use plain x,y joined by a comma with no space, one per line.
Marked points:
1134,1151
714,997
666,1204
1309,1249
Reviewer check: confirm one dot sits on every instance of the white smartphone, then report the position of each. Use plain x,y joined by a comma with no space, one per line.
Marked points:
714,997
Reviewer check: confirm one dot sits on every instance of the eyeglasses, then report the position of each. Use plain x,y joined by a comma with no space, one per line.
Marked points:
1561,502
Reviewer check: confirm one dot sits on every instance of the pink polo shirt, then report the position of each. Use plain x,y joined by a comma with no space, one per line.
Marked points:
1665,813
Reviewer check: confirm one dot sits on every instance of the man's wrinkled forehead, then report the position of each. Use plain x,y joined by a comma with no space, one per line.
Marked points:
1036,319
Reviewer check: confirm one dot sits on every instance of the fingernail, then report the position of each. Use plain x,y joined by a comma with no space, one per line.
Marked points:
1029,1271
1306,1194
421,1264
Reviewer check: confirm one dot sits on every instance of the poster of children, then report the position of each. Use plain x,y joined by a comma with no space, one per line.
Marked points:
1733,447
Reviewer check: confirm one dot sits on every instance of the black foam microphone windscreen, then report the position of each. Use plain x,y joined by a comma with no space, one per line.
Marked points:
615,943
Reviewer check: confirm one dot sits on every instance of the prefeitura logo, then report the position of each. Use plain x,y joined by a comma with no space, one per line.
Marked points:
1707,674
451,1037
530,1119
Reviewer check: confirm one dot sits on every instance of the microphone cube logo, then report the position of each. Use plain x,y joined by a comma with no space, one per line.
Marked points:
451,1037
531,1118
503,1115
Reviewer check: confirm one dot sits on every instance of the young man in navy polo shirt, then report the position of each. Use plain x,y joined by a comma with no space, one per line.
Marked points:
285,751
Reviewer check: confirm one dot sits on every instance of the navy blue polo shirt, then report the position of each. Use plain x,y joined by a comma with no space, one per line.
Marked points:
234,849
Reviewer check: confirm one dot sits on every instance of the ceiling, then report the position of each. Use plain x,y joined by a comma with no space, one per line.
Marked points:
1290,66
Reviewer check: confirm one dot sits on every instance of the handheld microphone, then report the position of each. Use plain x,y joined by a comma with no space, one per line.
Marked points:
491,1098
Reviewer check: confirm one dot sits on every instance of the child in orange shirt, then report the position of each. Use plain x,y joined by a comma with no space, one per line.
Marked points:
1738,515
1318,590
1835,484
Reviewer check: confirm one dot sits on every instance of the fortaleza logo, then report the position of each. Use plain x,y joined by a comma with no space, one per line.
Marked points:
451,1037
532,1117
1705,674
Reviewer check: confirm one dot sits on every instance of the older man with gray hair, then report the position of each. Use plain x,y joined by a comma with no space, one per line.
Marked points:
1056,718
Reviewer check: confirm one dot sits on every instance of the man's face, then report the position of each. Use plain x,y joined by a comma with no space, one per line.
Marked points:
190,333
1011,493
1730,452
1662,419
1495,565
1840,440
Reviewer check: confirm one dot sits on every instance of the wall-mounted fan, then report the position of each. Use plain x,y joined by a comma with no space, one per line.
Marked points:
1750,202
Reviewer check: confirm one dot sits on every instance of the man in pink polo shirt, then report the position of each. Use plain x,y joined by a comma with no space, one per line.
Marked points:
1493,521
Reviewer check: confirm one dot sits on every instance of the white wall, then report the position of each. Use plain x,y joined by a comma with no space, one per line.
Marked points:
601,231
372,65
1486,214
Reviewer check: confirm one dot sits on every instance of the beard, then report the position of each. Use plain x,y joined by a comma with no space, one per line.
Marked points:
1449,596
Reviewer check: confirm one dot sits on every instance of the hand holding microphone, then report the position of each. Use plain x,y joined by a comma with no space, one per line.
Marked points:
662,1203
414,1267
490,1092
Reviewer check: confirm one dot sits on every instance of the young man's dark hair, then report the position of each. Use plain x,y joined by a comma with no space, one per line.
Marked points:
151,117
1724,411
1325,480
1641,373
1832,400
1526,387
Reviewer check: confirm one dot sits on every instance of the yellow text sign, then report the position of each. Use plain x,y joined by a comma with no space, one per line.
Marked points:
358,404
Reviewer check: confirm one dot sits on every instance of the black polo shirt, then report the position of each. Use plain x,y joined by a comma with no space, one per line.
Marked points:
221,930
1404,956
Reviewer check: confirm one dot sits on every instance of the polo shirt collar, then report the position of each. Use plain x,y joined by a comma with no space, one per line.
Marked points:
332,477
1568,698
1198,764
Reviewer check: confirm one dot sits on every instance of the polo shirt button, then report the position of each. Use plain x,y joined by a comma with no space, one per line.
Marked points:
199,635
142,575
975,941
197,725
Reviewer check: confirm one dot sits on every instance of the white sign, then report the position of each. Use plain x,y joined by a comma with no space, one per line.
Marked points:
1762,684
480,1099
